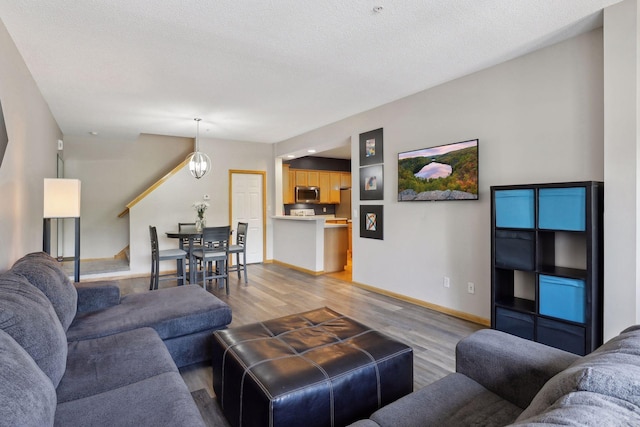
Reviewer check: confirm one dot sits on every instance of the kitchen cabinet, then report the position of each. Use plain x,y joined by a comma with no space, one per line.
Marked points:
302,178
329,182
307,178
345,180
334,187
313,178
325,187
288,185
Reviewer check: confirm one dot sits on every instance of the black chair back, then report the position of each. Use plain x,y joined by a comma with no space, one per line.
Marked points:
216,239
241,238
155,258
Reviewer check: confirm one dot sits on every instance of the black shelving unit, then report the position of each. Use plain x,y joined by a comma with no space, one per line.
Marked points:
546,263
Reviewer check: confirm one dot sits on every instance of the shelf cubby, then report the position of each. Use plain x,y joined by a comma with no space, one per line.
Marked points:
546,263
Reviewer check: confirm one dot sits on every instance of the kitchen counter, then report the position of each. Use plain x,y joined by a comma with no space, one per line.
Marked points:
335,222
309,244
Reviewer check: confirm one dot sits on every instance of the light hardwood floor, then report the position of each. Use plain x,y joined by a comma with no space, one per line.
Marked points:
275,291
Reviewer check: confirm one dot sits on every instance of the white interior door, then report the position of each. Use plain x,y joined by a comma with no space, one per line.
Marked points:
247,202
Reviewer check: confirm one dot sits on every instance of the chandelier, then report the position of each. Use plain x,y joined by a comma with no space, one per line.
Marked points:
199,162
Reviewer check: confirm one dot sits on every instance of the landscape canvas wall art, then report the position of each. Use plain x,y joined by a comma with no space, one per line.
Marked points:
444,172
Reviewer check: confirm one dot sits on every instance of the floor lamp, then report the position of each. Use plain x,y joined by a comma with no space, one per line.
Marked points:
62,200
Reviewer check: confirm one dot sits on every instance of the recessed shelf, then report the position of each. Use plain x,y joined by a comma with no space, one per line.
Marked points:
518,304
572,273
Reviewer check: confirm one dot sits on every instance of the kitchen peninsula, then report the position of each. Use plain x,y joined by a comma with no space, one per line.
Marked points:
309,243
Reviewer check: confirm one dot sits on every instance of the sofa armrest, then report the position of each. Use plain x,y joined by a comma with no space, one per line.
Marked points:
94,296
511,367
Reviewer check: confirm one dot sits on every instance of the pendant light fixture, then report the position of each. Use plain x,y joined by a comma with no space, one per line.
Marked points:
199,163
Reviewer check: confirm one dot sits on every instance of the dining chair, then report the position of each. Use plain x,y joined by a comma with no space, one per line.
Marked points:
240,248
158,255
215,250
197,243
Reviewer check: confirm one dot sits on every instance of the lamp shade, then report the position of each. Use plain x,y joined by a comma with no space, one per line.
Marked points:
61,198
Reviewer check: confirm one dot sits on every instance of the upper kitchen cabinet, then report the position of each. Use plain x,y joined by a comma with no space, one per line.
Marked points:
302,178
330,182
313,179
334,195
307,178
288,185
345,180
329,187
325,187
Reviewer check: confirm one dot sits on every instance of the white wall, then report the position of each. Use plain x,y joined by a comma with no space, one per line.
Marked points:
622,191
29,158
539,118
172,201
113,173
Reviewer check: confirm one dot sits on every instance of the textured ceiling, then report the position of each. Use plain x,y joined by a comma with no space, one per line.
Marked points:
264,70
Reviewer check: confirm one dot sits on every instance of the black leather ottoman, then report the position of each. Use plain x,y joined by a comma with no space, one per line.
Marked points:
317,368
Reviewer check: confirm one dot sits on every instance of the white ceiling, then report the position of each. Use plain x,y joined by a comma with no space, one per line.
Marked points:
264,70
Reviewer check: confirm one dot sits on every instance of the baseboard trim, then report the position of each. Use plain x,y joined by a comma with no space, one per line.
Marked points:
295,267
445,310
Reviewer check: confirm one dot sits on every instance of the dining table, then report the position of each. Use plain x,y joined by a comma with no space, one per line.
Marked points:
189,234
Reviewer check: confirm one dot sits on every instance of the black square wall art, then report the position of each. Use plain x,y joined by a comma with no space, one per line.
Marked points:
371,221
371,147
371,183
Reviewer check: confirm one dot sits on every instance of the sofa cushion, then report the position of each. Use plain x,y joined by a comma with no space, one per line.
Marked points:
27,395
102,364
454,400
162,400
611,370
93,296
45,273
586,409
172,312
27,315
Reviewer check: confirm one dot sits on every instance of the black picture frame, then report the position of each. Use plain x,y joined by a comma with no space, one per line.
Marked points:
372,221
433,182
372,182
371,147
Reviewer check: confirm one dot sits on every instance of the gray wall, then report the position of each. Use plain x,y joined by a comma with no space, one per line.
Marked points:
113,173
30,156
621,136
539,118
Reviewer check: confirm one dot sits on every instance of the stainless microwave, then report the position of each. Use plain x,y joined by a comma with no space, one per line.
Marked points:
307,195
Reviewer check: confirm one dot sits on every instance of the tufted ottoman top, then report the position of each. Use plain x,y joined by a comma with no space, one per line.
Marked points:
318,368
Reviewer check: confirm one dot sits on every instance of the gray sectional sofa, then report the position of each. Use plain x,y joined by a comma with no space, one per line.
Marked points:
503,380
85,356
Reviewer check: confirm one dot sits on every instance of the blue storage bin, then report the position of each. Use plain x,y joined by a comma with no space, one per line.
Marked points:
564,336
514,208
514,323
515,249
562,298
562,208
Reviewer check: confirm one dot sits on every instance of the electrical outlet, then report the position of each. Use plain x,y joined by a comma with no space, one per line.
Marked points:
471,288
446,282
324,209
